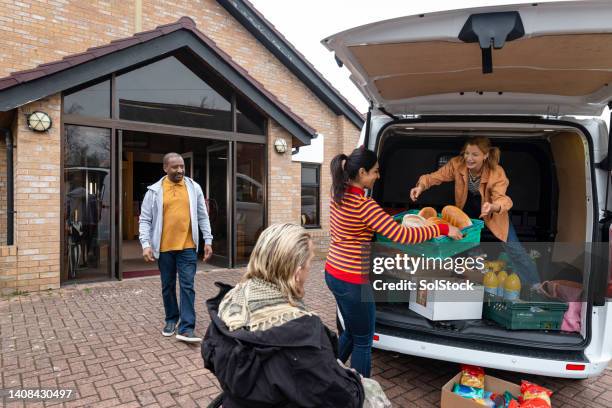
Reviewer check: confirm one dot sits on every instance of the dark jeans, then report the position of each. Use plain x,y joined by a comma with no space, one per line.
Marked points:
356,304
184,263
525,267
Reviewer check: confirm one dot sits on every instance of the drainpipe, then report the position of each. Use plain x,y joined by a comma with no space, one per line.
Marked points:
10,210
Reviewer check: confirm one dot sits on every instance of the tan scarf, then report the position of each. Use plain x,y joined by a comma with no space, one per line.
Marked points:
258,305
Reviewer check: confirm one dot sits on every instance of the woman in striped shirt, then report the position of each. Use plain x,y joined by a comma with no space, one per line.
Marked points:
354,218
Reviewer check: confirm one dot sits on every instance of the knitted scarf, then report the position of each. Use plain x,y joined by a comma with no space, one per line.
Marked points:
258,305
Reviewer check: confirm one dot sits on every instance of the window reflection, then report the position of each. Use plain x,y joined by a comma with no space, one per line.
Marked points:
218,205
250,208
249,120
94,100
87,186
169,92
310,194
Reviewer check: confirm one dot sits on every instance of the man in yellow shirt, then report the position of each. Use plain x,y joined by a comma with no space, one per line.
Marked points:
172,211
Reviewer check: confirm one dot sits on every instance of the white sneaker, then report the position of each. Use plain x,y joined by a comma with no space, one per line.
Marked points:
168,330
188,337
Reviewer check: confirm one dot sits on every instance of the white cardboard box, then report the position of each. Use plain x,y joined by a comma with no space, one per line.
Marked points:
447,304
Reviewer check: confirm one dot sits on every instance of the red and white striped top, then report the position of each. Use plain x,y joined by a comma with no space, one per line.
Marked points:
352,226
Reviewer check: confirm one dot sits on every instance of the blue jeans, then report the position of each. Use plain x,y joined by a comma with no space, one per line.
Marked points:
184,263
356,304
525,267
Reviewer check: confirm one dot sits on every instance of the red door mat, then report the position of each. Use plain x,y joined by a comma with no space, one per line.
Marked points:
140,274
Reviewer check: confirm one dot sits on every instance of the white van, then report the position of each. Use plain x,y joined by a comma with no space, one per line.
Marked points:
519,74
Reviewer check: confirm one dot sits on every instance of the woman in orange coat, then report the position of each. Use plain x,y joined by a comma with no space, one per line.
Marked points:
480,190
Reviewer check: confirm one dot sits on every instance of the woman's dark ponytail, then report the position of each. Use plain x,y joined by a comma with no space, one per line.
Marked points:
339,177
346,168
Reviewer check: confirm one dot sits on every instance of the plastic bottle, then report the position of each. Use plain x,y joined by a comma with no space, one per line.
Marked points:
490,283
512,287
501,280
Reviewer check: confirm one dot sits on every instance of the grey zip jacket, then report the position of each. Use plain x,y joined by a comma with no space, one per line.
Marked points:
152,214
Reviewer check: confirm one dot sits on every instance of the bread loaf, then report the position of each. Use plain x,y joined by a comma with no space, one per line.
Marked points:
428,212
456,217
413,220
437,221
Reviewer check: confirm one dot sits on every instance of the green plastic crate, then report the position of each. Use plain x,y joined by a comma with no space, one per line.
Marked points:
534,314
439,247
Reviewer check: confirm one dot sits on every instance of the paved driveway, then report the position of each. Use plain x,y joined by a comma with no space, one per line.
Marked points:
103,340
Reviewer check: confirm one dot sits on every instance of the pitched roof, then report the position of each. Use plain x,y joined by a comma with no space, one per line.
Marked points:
24,86
277,44
92,53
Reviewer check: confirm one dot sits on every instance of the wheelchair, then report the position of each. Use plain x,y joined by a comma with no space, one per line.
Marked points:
217,402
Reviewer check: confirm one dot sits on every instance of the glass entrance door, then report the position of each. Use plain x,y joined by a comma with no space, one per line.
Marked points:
249,198
188,159
87,203
217,193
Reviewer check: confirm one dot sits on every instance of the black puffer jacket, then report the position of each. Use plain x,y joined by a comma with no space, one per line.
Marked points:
293,365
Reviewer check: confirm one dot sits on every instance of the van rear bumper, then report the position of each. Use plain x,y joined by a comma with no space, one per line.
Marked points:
501,361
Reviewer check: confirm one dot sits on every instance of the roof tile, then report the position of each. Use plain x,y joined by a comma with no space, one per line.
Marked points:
25,76
8,82
148,35
126,42
80,58
55,66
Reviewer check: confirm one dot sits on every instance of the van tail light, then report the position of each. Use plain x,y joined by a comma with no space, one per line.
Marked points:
376,337
575,367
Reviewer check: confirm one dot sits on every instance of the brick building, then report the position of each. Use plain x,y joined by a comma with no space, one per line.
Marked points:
124,82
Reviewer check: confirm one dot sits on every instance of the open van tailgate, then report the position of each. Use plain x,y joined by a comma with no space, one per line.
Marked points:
544,59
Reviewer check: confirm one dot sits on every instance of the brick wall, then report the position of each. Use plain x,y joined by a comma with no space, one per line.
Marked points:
283,180
33,32
37,199
8,269
348,134
39,31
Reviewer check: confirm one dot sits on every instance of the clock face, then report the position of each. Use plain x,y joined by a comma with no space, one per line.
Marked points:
39,121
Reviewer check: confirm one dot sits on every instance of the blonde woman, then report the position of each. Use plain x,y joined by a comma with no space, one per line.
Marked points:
480,190
263,345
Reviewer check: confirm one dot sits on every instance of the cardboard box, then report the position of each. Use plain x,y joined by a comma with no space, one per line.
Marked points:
446,304
449,399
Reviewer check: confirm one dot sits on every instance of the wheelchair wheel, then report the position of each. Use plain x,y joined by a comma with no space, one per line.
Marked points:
339,323
217,402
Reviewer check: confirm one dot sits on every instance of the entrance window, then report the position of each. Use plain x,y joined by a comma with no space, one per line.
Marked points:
87,202
168,92
250,208
310,194
179,90
248,118
217,160
93,100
